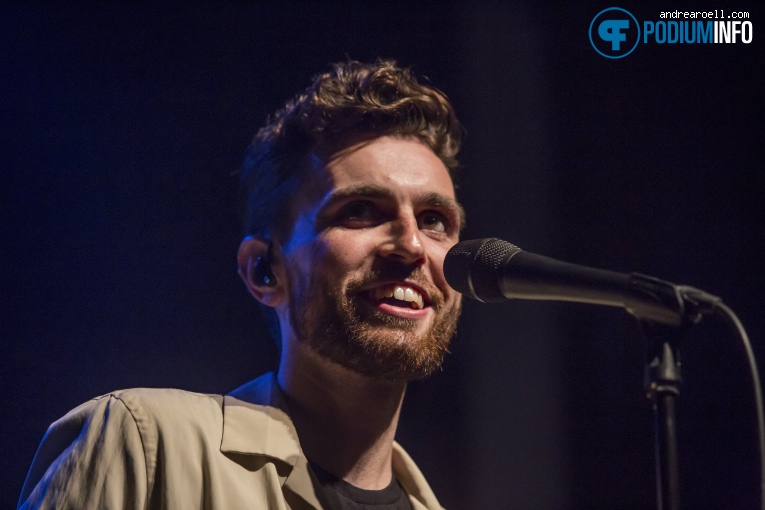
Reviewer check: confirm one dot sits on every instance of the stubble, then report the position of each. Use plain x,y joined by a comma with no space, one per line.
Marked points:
335,322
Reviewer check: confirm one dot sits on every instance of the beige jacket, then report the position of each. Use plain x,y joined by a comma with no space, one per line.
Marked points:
162,449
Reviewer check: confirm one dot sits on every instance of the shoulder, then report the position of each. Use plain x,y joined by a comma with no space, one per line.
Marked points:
148,409
124,443
107,451
183,422
165,405
143,422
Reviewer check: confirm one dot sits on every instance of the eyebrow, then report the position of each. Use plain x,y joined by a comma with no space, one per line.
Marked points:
431,199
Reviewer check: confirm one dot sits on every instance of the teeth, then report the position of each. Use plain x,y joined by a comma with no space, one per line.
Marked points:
401,293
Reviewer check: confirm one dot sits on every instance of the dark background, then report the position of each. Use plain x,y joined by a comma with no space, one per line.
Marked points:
123,127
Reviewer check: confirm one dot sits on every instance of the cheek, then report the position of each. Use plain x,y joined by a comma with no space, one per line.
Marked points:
437,254
334,255
437,257
345,253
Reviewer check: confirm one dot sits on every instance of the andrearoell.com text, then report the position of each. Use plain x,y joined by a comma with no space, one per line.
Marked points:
715,14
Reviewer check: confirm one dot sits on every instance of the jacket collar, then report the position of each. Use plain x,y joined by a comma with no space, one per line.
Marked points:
255,422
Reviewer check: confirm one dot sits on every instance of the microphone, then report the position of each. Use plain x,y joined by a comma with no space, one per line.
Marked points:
492,270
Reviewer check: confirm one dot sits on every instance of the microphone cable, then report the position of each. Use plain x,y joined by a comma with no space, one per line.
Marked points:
729,316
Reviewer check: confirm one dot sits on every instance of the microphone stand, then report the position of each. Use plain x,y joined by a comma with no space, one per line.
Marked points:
664,311
662,380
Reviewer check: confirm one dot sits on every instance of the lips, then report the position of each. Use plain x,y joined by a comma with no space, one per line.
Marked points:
399,294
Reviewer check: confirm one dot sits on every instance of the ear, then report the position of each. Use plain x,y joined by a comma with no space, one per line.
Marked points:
254,260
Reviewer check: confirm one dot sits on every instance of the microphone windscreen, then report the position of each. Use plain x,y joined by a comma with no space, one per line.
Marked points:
473,268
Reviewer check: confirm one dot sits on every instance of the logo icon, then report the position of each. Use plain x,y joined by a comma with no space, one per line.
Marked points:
614,32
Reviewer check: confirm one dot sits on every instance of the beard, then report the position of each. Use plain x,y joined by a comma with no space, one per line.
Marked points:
337,324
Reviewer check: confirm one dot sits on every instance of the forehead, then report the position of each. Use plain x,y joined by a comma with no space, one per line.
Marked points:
402,165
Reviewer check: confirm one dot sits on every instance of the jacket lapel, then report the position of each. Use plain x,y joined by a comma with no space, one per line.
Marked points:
413,481
255,423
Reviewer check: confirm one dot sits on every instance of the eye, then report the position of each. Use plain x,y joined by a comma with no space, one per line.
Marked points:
358,214
434,221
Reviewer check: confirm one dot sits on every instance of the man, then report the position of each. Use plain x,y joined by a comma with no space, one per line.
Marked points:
351,210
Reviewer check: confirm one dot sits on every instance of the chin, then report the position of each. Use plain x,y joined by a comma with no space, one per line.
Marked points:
393,353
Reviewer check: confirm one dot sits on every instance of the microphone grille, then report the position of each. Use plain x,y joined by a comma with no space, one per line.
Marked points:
473,267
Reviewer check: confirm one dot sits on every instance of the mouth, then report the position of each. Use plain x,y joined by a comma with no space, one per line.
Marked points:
400,295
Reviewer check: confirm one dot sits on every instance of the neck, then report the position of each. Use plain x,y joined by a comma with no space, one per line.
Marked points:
346,422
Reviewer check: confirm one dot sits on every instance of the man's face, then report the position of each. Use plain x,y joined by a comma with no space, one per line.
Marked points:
365,260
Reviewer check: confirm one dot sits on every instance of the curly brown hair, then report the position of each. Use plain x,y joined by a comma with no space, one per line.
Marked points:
352,100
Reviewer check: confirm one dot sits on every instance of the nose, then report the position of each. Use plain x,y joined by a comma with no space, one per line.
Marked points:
404,244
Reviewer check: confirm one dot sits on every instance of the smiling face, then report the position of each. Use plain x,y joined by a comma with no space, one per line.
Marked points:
364,262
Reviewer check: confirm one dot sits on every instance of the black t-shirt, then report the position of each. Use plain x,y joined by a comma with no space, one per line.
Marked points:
340,495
